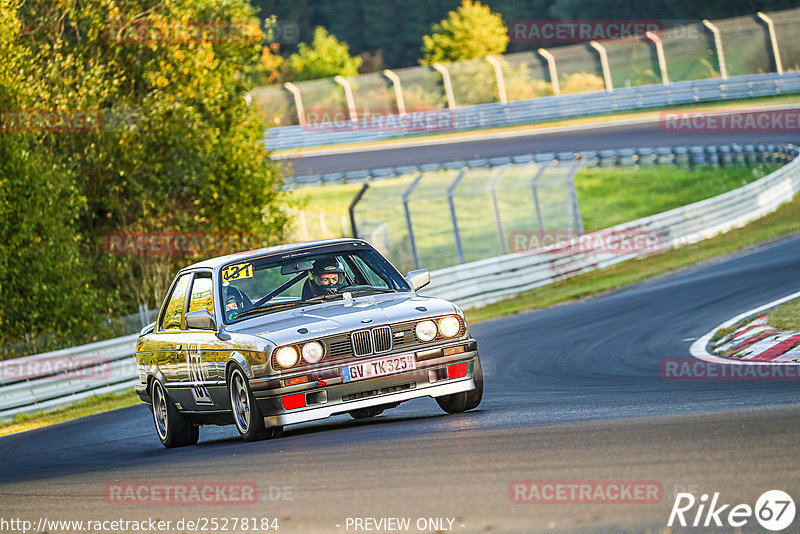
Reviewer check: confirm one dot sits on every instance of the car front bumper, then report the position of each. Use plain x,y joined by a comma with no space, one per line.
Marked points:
333,396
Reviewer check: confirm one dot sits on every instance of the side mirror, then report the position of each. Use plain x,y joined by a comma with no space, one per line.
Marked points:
200,320
418,279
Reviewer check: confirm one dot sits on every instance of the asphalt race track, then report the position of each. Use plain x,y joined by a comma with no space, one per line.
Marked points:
573,393
598,137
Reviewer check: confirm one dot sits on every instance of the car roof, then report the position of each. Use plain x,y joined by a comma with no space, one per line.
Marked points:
213,263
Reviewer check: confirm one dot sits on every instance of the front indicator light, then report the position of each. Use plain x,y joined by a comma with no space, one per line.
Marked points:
454,350
426,330
312,352
449,326
287,356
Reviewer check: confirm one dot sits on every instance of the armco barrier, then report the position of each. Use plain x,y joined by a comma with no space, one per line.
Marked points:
660,155
54,379
483,282
550,108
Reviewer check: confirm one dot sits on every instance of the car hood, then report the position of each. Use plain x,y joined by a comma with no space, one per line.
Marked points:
339,316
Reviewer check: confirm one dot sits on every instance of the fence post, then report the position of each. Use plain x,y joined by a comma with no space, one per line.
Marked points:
551,67
448,85
348,95
398,91
603,64
411,239
498,73
298,102
536,205
575,210
352,209
776,54
662,62
450,191
498,219
723,71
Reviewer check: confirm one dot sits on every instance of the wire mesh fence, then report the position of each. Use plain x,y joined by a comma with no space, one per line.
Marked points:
690,53
441,218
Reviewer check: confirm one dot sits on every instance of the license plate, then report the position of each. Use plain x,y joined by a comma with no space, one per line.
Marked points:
375,368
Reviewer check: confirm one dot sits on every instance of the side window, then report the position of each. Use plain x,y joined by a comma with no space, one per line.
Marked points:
174,310
201,298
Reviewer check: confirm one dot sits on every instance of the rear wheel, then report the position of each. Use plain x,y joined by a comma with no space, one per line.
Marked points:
466,400
173,429
246,414
365,413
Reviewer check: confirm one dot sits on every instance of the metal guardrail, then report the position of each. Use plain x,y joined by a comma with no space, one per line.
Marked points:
483,282
657,155
549,108
51,380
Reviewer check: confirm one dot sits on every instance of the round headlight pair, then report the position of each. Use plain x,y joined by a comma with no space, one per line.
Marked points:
448,326
289,356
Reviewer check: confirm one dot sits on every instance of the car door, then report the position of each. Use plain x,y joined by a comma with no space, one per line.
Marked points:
168,335
204,353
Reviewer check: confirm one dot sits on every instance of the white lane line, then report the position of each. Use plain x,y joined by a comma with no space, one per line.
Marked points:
467,137
698,348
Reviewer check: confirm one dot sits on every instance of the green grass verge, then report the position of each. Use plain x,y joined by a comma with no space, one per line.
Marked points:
607,196
783,221
786,316
92,405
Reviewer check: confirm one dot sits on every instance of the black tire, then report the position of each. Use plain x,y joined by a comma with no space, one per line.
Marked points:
172,428
365,413
466,400
246,414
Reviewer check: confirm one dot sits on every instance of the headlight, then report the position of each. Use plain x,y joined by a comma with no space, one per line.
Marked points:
312,352
449,326
286,356
426,330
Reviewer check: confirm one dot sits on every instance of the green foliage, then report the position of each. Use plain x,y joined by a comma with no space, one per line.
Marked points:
326,57
471,31
178,150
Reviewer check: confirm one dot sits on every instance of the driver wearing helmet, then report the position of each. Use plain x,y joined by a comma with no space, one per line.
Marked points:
326,277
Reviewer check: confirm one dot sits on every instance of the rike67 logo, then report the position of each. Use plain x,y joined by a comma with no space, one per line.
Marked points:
774,510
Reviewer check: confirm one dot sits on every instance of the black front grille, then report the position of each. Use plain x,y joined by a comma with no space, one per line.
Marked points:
362,343
383,338
339,347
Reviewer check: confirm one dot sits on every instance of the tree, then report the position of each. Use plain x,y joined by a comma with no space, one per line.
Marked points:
178,149
472,31
325,58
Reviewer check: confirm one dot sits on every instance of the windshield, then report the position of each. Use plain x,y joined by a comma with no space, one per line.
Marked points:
266,285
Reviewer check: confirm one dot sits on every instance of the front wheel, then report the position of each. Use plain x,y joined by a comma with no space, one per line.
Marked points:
466,400
246,414
173,429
